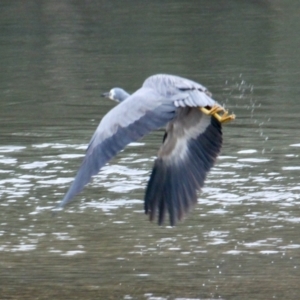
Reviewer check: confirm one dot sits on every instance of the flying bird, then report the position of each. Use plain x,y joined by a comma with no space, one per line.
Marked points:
191,143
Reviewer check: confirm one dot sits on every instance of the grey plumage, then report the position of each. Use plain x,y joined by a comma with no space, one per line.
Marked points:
191,144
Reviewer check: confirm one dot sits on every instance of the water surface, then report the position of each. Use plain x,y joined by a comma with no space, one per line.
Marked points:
240,242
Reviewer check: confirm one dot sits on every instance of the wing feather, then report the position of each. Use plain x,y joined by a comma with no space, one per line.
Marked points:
183,92
189,151
130,120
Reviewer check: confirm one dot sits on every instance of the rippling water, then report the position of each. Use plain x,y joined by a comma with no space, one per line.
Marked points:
240,242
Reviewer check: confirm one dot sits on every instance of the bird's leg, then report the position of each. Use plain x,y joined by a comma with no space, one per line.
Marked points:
214,111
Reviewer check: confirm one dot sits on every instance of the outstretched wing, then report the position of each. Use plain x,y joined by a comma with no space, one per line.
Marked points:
130,120
192,142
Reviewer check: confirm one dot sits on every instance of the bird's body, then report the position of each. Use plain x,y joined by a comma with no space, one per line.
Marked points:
191,144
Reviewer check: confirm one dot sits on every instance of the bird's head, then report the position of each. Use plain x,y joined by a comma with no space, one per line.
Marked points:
116,94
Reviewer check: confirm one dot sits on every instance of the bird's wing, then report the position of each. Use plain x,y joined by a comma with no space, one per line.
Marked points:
183,92
130,120
192,142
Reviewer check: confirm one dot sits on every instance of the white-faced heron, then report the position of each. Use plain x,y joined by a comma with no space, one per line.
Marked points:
192,141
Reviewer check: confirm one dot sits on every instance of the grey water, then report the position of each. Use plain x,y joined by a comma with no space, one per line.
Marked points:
242,239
